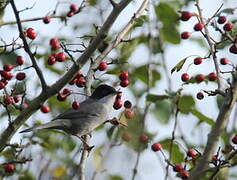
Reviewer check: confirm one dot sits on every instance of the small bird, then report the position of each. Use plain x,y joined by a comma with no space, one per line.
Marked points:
92,113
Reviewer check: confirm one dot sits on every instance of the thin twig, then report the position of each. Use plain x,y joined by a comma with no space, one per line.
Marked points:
216,131
27,48
210,43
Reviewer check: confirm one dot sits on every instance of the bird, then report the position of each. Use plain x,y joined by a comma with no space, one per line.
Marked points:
91,113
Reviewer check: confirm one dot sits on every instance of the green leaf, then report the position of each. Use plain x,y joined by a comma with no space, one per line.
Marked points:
140,21
68,144
26,175
115,177
126,49
154,97
141,74
9,58
186,103
177,155
92,2
227,11
162,111
170,33
169,18
202,117
179,65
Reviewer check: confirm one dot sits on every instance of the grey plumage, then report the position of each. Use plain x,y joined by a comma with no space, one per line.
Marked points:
91,114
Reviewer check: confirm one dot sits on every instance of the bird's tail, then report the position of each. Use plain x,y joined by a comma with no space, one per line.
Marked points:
50,125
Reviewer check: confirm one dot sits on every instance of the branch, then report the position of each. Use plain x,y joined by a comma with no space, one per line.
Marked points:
52,90
113,3
27,48
216,131
91,72
210,43
118,39
29,20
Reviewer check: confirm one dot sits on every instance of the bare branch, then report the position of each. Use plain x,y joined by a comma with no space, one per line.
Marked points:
216,131
210,43
27,48
113,3
30,20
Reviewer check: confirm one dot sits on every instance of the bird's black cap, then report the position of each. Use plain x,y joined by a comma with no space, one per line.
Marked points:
102,91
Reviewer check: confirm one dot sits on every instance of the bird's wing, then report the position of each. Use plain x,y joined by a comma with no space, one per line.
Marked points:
87,108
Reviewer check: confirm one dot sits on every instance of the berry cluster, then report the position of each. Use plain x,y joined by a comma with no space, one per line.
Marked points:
124,79
73,10
7,76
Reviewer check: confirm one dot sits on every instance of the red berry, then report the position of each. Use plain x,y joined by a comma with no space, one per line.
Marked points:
228,26
51,60
20,76
8,67
53,41
234,139
233,49
66,91
185,77
7,75
61,97
143,139
103,66
70,14
192,153
129,114
72,81
178,168
200,95
124,83
4,81
16,98
9,168
81,82
78,75
117,104
199,78
75,105
185,35
73,8
8,100
2,85
224,61
184,174
198,27
60,57
127,104
123,76
30,32
19,60
185,15
197,60
156,147
45,109
212,76
221,19
46,20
